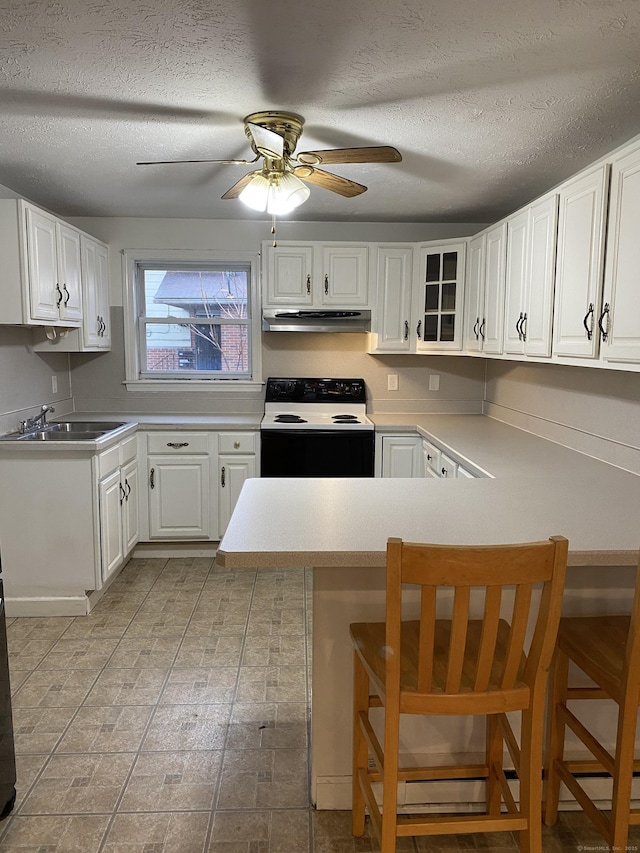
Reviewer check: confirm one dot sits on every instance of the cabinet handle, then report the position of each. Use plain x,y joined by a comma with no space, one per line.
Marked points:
59,299
589,330
103,327
308,285
475,327
444,472
523,327
126,482
605,313
481,329
152,478
223,478
123,494
406,330
67,294
429,457
518,329
236,444
326,284
418,327
177,444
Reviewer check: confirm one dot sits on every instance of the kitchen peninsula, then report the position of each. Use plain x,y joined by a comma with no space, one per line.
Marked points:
340,527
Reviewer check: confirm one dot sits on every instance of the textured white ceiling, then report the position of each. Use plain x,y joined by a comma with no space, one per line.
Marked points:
490,102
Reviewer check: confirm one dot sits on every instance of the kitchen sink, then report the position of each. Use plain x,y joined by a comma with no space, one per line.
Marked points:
66,431
83,426
58,435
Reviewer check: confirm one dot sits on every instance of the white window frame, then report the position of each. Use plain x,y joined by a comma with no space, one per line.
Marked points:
130,260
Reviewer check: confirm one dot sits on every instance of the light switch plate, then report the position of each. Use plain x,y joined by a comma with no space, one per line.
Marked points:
54,384
434,382
392,382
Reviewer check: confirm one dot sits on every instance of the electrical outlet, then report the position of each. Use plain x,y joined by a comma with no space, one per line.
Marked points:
392,382
54,384
434,382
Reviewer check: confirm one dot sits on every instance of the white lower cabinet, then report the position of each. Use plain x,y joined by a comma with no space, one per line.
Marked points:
237,462
448,467
401,456
118,505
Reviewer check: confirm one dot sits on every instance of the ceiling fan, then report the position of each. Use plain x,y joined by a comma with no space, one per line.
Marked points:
277,186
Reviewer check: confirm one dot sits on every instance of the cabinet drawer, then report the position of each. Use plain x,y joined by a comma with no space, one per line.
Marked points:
448,468
431,456
237,442
128,449
109,461
180,442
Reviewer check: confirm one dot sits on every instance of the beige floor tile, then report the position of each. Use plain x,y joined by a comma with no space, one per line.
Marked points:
25,654
179,565
27,769
209,651
274,651
157,625
224,605
205,624
281,831
98,626
127,687
55,688
79,654
50,628
276,622
79,784
120,601
172,781
158,833
144,652
17,678
200,685
258,725
111,729
271,684
55,834
167,601
187,727
38,730
263,778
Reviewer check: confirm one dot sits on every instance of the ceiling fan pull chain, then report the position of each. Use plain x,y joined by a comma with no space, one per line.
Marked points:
273,229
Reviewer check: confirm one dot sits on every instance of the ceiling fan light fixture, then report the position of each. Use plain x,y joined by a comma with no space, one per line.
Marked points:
256,193
275,193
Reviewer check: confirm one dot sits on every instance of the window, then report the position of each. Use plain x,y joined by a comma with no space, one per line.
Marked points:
193,319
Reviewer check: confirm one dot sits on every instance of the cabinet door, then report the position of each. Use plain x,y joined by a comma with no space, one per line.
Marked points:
431,458
102,285
344,276
110,494
289,275
538,320
516,277
580,264
69,274
233,470
439,298
130,519
90,296
402,456
474,293
179,497
621,309
448,468
492,323
45,294
391,332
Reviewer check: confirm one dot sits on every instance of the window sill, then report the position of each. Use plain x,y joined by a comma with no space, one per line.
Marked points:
215,386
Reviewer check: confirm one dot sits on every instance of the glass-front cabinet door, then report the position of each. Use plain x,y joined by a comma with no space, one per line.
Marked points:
439,295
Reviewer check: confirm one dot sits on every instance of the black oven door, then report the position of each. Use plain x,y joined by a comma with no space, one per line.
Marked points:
317,453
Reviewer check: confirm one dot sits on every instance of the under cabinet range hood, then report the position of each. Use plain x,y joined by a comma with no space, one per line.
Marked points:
318,320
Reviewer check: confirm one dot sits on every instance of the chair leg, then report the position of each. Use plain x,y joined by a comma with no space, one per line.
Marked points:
360,750
390,780
494,758
556,733
531,742
623,771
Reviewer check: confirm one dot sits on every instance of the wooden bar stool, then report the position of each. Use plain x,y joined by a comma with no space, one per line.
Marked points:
607,649
458,666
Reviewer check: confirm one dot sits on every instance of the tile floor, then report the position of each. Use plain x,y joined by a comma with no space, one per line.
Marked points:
174,719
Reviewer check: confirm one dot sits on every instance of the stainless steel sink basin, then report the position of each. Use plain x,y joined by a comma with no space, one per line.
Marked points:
59,435
83,426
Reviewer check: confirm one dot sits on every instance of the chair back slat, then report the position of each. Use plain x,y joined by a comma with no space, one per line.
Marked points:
458,638
476,653
488,637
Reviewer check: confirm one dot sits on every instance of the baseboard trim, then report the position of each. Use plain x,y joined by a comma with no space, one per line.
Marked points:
167,550
48,606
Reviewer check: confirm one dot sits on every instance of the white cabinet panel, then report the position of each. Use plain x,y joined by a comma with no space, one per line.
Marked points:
580,264
345,276
111,531
42,256
233,470
448,468
289,274
69,274
516,282
492,324
402,456
537,324
179,497
474,293
439,297
130,515
391,322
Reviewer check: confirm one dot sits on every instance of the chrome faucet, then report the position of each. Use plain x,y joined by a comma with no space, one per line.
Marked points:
37,420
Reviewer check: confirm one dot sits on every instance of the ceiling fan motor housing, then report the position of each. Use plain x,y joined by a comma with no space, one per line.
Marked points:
287,125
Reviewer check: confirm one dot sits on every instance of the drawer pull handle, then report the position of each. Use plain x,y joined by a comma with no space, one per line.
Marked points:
123,494
605,313
475,327
177,444
588,329
67,295
223,478
406,330
236,444
126,482
481,329
308,285
60,297
152,478
444,472
418,327
326,284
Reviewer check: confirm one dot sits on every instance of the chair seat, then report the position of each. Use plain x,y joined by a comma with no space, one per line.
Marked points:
597,645
369,639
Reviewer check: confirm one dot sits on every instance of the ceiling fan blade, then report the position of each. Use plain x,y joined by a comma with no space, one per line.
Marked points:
328,181
266,141
237,188
225,162
372,154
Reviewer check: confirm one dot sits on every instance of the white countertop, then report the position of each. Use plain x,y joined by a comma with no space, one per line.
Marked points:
540,489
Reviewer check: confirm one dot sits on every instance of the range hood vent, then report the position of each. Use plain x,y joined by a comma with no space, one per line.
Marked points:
283,320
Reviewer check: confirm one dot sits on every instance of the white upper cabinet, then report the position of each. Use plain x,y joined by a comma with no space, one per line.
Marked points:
619,318
392,317
96,327
484,294
580,264
474,293
438,297
530,276
316,275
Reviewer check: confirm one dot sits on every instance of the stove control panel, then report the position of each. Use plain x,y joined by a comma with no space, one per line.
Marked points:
315,391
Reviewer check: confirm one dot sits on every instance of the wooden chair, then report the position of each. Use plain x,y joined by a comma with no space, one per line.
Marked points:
607,649
458,666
